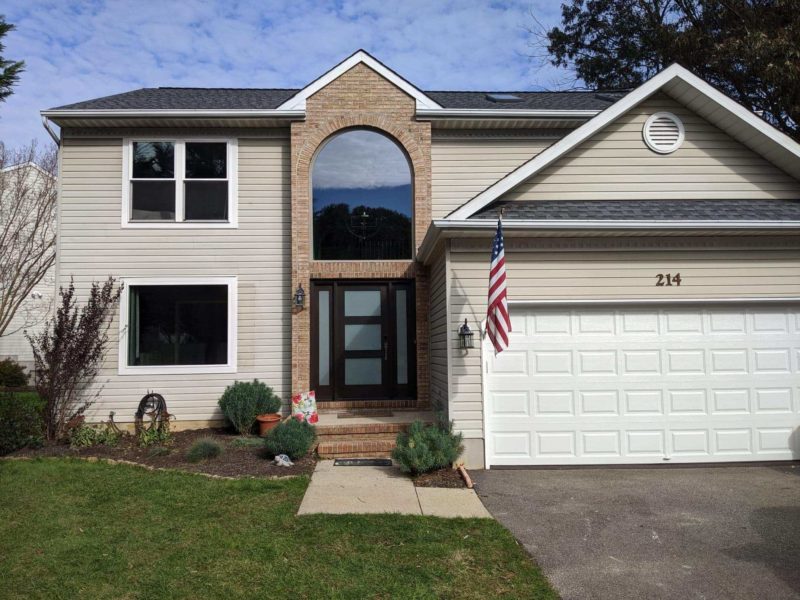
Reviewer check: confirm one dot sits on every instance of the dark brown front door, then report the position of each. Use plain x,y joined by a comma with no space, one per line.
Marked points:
362,340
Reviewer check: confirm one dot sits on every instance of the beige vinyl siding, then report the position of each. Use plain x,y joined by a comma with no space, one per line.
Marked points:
94,246
616,164
575,270
465,165
439,331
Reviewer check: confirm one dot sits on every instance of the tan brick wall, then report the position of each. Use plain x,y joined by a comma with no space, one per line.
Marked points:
358,98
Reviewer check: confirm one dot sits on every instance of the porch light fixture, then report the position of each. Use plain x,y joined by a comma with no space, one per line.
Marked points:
465,336
299,297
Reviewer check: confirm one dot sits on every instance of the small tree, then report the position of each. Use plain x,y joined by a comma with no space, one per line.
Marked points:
69,352
28,187
10,70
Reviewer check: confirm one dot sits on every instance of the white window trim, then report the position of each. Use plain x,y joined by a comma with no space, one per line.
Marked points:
180,167
230,367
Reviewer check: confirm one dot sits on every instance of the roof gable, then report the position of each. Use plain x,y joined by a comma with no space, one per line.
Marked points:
298,101
683,86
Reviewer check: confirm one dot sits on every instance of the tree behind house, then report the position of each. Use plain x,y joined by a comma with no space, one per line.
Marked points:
69,352
28,193
746,48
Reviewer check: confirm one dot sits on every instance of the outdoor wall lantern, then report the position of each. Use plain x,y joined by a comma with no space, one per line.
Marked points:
465,336
299,297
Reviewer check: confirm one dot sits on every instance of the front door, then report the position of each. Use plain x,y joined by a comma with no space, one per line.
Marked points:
362,342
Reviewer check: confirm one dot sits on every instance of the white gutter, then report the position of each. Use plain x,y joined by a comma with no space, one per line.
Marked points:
453,113
611,224
46,123
106,112
489,225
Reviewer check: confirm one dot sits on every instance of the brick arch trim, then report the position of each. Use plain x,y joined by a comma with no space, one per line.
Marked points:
402,136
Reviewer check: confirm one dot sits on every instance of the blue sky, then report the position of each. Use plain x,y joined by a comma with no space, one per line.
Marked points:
80,50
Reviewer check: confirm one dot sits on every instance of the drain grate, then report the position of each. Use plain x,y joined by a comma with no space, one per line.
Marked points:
362,462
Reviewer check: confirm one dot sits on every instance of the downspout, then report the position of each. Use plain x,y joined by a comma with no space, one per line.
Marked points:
46,123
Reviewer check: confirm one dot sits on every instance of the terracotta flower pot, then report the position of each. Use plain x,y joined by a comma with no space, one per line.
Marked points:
267,422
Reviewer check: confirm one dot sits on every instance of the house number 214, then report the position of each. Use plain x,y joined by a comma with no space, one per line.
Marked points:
668,279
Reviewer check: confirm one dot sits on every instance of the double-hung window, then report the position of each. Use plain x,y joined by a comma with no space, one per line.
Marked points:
180,183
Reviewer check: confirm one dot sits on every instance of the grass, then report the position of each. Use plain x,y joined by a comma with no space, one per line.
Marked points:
72,529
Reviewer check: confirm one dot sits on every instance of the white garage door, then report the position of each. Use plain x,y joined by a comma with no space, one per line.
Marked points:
645,385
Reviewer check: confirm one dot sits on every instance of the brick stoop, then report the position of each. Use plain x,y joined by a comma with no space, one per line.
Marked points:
367,437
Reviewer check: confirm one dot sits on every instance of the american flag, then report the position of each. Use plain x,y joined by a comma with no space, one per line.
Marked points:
498,325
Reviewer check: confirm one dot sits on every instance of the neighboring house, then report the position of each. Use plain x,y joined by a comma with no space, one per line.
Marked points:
34,311
652,248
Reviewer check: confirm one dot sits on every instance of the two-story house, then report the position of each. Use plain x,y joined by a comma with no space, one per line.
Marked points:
336,237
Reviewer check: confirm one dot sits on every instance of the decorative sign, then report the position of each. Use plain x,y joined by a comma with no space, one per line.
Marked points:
663,279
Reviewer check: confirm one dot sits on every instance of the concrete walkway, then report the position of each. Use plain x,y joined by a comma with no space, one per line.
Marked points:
364,490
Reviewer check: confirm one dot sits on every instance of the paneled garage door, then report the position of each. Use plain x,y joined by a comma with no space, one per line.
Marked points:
697,383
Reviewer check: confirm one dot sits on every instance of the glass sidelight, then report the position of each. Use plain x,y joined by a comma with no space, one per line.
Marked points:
362,340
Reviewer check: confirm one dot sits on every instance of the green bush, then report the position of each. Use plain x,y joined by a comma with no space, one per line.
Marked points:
293,438
204,449
426,448
247,442
87,436
244,400
159,435
12,374
21,422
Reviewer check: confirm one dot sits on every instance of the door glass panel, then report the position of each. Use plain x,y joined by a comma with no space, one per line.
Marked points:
362,371
402,338
362,337
323,306
362,303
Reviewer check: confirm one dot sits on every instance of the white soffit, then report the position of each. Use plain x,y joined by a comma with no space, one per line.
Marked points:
683,86
298,101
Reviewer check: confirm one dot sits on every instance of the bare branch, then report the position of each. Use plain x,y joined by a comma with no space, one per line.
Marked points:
28,195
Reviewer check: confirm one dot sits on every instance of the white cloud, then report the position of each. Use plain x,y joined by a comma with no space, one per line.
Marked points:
80,50
360,159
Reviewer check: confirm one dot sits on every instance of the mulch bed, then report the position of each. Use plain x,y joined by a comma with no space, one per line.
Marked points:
233,462
443,478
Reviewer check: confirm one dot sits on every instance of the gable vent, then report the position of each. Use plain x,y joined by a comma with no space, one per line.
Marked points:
663,132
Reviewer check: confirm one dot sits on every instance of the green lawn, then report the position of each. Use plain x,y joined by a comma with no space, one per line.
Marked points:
72,529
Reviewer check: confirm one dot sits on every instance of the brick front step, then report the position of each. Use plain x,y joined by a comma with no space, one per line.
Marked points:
360,429
355,448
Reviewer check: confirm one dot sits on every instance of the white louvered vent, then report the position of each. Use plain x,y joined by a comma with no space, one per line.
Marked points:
663,132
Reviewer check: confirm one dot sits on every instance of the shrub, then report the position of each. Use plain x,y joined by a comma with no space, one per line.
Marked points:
244,400
68,353
86,436
158,435
12,374
293,438
426,448
20,422
204,449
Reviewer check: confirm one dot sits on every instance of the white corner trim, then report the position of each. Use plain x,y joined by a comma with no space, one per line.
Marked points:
613,112
298,101
124,304
180,166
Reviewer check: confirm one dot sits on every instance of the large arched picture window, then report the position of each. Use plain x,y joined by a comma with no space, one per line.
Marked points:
362,198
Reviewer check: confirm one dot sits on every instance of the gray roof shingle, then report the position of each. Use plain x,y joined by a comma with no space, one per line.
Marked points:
163,98
645,210
187,98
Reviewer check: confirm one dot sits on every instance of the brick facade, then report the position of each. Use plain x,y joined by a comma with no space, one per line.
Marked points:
358,98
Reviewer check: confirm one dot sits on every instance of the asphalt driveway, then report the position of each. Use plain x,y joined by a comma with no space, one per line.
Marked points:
723,532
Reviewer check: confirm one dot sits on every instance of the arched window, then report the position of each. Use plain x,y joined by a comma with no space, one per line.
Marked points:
362,198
